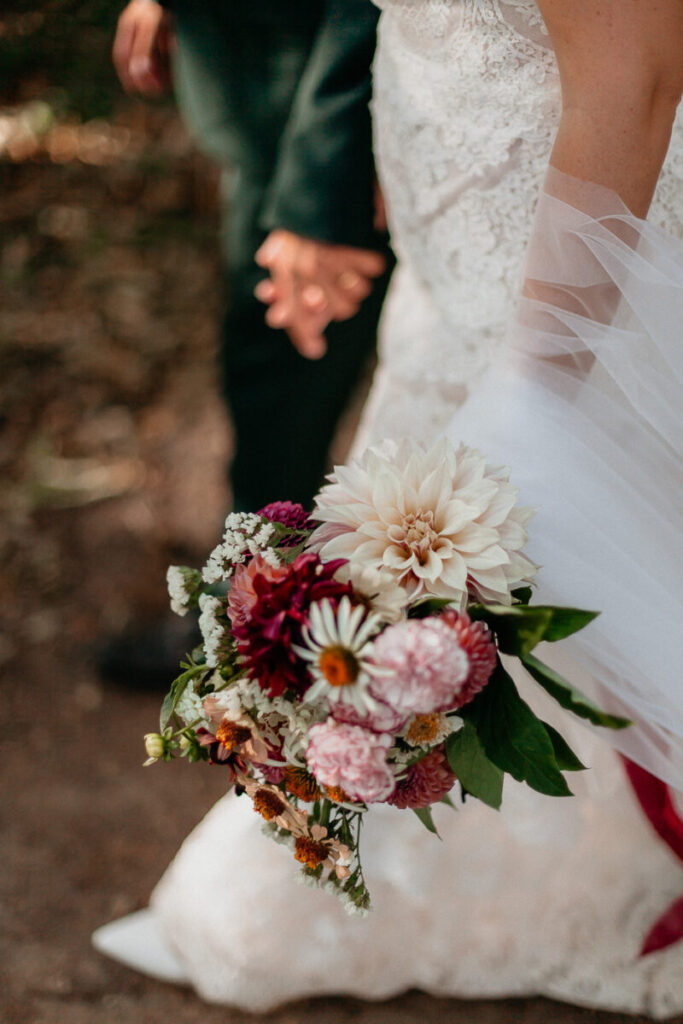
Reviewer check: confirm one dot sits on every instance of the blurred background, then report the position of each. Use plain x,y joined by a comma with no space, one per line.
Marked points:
113,444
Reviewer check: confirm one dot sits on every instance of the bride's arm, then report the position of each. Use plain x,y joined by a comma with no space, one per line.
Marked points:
621,69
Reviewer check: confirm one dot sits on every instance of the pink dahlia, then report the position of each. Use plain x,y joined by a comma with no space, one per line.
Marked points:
476,640
381,718
419,666
351,758
427,782
242,597
289,514
265,637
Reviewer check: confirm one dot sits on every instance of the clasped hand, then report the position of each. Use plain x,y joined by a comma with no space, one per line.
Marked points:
312,283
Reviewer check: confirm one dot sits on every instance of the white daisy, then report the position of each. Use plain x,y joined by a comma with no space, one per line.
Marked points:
338,651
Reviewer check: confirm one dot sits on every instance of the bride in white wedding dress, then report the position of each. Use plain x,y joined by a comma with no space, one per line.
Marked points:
546,896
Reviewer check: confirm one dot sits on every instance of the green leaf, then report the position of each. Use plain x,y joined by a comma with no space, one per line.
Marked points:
522,595
178,687
513,737
520,627
564,755
475,771
430,606
289,555
425,816
569,697
166,710
448,802
566,621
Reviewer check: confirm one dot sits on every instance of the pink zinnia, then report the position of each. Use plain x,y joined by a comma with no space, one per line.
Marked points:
427,782
420,667
351,758
381,718
476,640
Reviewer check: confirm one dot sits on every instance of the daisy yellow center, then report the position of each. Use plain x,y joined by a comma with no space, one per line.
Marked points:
339,666
416,534
423,729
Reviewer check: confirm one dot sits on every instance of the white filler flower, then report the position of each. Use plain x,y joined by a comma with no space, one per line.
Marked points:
337,651
440,521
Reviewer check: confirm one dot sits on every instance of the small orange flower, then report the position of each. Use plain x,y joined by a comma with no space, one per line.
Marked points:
232,735
310,852
268,804
339,666
301,783
424,729
337,794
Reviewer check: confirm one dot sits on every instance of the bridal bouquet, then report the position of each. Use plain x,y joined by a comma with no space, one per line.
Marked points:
353,656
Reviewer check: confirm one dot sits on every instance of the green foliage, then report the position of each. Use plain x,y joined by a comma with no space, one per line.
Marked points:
569,697
513,737
519,628
430,606
476,772
178,687
566,759
425,816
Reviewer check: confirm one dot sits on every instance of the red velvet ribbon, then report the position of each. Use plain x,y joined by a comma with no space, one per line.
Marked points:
656,801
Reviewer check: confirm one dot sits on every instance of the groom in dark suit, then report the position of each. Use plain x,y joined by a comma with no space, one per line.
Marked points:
277,91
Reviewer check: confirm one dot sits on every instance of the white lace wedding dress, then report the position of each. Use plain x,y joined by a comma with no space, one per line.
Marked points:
546,897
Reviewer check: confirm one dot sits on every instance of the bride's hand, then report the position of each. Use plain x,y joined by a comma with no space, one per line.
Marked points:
312,283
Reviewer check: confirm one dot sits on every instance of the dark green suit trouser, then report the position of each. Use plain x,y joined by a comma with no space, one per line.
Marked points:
237,74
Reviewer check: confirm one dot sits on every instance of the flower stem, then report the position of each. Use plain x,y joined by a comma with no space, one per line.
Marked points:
325,811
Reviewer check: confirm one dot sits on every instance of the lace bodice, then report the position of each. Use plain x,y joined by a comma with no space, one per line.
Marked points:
467,104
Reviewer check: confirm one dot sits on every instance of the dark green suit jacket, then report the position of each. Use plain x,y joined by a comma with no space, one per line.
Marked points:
292,106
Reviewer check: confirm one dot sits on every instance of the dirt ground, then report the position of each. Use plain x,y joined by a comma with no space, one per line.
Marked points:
112,457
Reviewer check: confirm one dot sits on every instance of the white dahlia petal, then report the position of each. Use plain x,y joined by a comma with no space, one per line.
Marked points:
436,520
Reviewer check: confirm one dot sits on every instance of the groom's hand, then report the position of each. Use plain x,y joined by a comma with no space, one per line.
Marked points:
142,46
312,283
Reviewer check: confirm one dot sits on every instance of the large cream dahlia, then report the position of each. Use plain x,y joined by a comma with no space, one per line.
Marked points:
440,521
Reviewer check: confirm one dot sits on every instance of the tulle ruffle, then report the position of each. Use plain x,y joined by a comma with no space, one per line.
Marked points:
586,407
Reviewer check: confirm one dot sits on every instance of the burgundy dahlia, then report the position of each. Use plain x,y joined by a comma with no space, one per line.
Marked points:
475,639
427,782
276,619
289,514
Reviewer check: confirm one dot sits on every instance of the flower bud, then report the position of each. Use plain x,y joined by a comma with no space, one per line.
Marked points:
155,745
185,743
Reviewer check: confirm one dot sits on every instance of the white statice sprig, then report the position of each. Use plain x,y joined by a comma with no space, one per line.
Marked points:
245,535
190,708
184,586
213,630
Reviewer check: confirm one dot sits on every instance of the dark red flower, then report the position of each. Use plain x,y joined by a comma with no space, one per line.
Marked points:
427,782
290,514
276,619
